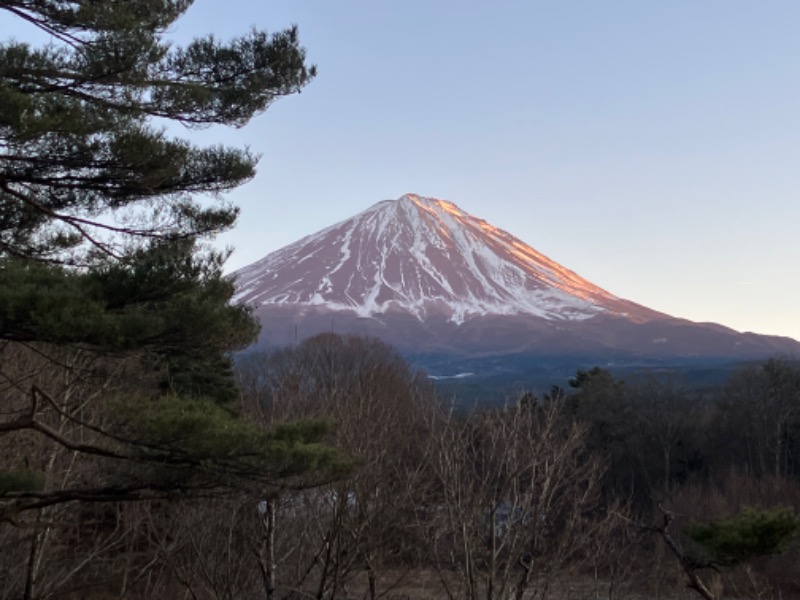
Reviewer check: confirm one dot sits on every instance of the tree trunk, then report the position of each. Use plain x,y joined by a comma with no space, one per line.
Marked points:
267,553
695,582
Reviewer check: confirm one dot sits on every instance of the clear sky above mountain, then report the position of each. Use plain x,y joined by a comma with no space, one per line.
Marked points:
652,147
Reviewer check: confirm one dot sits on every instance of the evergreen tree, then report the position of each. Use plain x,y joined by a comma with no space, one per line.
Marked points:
752,533
84,171
102,219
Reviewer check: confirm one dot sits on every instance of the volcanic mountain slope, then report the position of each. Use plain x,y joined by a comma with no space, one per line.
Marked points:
424,257
426,276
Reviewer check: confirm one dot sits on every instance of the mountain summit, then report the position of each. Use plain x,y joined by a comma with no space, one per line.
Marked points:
427,276
426,257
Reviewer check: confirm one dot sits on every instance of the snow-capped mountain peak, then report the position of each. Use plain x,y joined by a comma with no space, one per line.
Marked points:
426,257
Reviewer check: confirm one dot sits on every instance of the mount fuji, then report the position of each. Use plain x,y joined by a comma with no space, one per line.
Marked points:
433,280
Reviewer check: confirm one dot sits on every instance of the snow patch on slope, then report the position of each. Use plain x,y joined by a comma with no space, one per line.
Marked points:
422,256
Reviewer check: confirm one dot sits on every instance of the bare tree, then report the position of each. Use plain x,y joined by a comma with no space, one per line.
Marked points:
513,496
48,395
348,532
664,416
760,409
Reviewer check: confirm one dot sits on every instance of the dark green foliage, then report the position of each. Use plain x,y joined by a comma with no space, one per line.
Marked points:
594,377
103,218
21,480
178,430
88,180
82,167
116,322
604,401
750,534
168,303
156,301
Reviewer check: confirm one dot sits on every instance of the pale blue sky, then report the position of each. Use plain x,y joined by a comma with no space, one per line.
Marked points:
652,147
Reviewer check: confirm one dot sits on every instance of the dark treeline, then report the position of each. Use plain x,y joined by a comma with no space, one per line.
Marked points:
589,485
577,493
659,436
585,484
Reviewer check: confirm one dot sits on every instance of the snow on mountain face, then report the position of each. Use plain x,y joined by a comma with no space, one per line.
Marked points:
426,257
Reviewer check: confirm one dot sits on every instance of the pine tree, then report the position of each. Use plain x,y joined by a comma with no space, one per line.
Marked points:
102,221
752,533
84,171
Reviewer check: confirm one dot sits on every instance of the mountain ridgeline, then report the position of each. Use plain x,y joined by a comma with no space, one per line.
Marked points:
449,289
